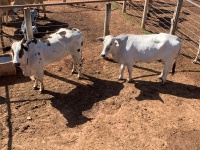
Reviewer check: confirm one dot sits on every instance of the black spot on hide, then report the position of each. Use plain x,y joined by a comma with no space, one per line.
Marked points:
21,53
32,41
38,53
49,36
46,41
78,50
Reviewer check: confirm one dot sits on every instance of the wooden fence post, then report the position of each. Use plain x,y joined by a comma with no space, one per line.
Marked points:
124,6
28,23
146,5
107,19
1,34
174,20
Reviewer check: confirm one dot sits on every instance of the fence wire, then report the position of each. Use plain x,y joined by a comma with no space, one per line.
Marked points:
159,20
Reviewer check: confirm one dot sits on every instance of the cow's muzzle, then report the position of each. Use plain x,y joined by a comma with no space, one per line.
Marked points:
16,64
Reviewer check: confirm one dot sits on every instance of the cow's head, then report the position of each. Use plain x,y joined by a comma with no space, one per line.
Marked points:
109,44
19,50
34,15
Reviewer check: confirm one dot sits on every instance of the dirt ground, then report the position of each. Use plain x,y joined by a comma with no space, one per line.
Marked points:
98,112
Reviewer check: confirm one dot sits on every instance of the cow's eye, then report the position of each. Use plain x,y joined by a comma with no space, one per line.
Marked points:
110,44
21,53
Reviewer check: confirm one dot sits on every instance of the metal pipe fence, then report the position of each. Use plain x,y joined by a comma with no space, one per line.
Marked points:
159,20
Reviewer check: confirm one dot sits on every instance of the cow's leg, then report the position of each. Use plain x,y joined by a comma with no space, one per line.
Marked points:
35,83
77,61
41,86
198,53
130,68
6,17
195,60
39,77
162,72
41,82
77,57
121,76
161,75
74,68
44,11
167,66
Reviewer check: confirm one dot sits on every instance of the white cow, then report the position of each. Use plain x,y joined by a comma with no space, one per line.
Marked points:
32,56
198,52
127,49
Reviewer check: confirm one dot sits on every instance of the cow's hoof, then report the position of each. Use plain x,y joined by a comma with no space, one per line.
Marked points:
73,72
160,77
162,81
194,62
80,77
130,80
35,88
120,78
41,91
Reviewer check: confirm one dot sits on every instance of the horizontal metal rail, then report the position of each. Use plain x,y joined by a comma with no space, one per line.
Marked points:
60,3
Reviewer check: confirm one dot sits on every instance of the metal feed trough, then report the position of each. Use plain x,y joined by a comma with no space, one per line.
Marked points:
6,67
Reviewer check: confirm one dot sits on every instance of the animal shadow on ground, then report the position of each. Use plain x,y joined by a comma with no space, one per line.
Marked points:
50,27
6,81
151,90
82,98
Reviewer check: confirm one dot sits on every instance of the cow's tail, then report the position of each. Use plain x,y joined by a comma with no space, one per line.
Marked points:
173,68
174,65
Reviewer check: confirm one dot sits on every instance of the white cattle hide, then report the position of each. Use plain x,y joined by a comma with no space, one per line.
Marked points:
127,49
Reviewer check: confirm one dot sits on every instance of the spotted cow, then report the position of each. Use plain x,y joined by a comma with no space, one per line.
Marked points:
33,55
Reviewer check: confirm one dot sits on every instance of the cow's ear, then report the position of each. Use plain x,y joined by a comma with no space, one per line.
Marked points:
116,43
100,39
